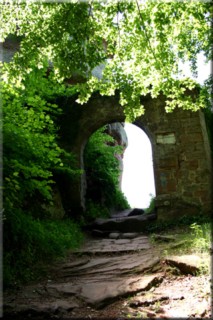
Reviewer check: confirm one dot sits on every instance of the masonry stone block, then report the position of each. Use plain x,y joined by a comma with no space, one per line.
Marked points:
181,152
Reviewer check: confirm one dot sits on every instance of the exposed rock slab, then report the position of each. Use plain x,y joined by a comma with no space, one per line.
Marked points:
115,245
187,264
115,265
98,293
95,280
103,292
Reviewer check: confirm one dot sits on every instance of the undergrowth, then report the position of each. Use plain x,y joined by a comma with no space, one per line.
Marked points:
192,238
184,221
29,243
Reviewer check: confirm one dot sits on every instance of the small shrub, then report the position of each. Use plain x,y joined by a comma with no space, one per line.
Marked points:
201,236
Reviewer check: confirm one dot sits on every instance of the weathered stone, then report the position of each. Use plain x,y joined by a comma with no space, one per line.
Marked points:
98,280
114,235
187,264
77,263
148,299
163,238
115,245
124,224
8,48
117,131
103,293
99,294
130,235
136,212
119,235
134,263
120,214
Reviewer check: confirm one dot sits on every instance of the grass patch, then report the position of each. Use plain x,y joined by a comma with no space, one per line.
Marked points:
194,239
181,223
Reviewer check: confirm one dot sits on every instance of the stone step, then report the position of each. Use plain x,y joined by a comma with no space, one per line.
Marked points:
128,213
125,224
114,245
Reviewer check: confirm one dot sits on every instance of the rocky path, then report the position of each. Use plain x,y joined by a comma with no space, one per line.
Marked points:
115,278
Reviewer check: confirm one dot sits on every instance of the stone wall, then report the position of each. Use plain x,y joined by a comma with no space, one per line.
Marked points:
77,124
181,151
181,159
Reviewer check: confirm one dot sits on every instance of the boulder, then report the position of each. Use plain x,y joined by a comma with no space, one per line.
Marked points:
136,212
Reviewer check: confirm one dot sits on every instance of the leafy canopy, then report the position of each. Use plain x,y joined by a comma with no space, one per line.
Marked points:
139,43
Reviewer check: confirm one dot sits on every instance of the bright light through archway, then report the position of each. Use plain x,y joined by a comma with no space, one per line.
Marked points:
138,178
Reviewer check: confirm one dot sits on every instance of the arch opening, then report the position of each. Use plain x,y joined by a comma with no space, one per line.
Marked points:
135,178
138,183
177,163
102,157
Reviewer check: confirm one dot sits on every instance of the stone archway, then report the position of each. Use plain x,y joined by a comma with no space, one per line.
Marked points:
181,151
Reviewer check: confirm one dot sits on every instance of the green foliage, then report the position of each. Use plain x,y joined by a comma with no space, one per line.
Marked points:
141,44
29,241
201,234
186,220
193,239
102,170
31,150
95,210
151,207
31,157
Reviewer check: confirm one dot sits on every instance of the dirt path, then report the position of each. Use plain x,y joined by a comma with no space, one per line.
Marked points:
116,278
